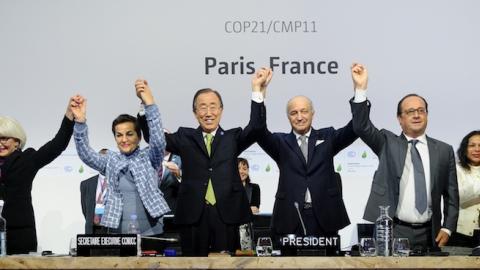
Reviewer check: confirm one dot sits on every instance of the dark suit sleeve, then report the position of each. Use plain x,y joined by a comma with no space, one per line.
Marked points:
52,149
344,137
142,122
450,196
173,142
257,123
265,138
83,195
255,195
364,127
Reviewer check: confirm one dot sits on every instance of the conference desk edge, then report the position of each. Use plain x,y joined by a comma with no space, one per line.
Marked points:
29,262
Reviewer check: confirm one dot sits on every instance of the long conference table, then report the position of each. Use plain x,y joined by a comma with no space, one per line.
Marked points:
30,262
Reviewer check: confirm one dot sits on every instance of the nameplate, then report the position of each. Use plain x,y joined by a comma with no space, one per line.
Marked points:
107,245
310,241
293,245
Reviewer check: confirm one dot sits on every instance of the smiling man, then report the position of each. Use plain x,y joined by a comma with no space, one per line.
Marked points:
211,200
414,174
308,183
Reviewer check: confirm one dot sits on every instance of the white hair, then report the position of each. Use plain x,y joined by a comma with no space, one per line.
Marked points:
309,101
10,127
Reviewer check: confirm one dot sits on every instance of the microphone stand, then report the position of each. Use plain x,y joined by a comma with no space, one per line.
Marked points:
301,219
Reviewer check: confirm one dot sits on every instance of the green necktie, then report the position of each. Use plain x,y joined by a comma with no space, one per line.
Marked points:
210,195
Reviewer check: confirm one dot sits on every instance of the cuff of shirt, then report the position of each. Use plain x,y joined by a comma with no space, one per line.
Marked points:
447,231
360,95
141,110
257,97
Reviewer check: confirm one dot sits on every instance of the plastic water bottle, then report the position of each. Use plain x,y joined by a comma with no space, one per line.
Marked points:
133,228
384,232
133,225
3,232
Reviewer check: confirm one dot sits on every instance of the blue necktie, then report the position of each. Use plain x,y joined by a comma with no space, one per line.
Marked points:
419,177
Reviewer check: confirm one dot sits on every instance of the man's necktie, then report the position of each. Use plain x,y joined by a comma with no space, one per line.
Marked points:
210,195
304,146
304,149
419,177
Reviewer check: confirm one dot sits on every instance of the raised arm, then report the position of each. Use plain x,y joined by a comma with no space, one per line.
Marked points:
361,110
257,124
359,76
261,79
52,149
155,128
89,156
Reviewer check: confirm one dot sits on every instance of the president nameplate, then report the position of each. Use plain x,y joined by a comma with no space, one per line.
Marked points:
107,245
293,245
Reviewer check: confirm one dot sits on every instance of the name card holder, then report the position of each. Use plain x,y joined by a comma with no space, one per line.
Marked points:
117,245
293,245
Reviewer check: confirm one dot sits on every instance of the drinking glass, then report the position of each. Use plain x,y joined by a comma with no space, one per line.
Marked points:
401,247
367,247
72,248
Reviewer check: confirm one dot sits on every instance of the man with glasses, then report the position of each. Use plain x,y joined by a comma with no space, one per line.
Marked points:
211,200
414,174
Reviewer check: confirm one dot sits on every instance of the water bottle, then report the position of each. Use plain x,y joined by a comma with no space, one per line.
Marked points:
133,225
384,232
3,233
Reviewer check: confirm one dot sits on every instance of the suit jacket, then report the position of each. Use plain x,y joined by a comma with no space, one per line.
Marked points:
253,194
391,150
88,193
318,174
221,167
170,184
18,173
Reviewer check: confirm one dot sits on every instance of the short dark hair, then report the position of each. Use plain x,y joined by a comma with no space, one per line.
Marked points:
204,91
399,106
244,161
126,118
462,150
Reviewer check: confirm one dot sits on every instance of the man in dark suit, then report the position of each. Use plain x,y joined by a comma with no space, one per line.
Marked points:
171,177
307,176
91,197
414,174
212,201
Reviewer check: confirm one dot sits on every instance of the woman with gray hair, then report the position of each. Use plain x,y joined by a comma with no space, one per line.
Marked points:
18,168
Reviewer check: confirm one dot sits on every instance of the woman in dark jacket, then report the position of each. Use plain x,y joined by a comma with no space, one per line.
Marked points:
253,190
17,171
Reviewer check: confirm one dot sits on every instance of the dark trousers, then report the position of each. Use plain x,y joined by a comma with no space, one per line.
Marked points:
420,239
312,226
21,240
209,234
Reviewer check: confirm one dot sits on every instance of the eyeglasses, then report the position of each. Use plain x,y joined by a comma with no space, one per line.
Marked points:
4,139
205,109
411,112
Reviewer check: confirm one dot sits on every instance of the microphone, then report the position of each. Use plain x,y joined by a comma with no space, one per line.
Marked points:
301,219
160,239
